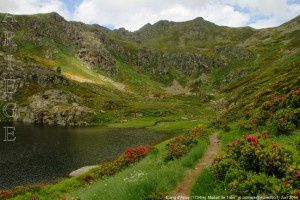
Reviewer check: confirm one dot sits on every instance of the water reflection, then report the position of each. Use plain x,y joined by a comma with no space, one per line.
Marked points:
43,154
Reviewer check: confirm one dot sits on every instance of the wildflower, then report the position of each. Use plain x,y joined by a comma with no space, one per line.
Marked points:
252,139
265,136
297,91
234,142
298,174
286,182
129,152
259,136
5,194
278,99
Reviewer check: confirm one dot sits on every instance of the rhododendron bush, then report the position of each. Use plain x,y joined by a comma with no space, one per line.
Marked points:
128,157
280,114
181,145
7,194
254,165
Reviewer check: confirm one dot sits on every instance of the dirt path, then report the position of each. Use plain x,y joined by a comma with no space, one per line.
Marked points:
185,186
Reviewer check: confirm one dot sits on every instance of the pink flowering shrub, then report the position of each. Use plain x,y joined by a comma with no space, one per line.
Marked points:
134,154
283,122
130,156
274,104
181,145
254,165
8,194
280,114
293,99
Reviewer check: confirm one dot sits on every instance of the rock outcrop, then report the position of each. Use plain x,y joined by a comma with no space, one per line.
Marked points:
85,40
234,52
161,62
92,51
22,74
54,108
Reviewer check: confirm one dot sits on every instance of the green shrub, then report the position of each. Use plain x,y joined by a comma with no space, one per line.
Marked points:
58,70
297,117
263,116
181,145
293,99
280,114
260,184
256,166
274,104
283,122
130,156
8,194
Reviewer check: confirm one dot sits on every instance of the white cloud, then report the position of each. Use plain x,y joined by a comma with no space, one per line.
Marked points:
263,23
274,12
34,6
267,7
224,15
133,14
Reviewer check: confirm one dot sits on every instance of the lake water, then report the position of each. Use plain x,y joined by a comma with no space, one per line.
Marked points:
44,155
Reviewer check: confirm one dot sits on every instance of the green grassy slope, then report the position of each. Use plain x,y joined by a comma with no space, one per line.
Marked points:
238,86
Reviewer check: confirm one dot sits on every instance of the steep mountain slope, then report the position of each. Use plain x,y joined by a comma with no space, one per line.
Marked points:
274,72
167,76
116,68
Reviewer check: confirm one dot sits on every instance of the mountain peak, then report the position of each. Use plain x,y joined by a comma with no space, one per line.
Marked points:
199,19
55,15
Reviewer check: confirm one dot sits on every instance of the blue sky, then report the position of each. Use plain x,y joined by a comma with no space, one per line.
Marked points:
133,14
72,4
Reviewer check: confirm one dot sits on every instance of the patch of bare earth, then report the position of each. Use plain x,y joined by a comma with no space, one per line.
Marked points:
184,188
100,80
176,89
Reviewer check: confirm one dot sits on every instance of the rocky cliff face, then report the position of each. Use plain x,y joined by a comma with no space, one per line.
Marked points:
100,47
50,31
238,53
92,51
54,108
161,62
189,47
23,74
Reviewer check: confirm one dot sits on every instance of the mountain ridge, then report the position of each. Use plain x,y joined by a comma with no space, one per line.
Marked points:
148,61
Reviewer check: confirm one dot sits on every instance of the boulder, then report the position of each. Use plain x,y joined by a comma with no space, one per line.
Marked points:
82,170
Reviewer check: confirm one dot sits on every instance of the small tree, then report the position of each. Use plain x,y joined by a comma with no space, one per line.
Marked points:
58,70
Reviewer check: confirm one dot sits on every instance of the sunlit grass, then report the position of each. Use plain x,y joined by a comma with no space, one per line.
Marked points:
156,180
